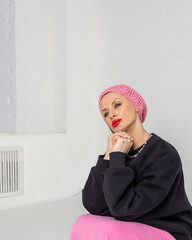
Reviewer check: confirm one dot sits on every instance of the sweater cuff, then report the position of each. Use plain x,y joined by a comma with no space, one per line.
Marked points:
117,159
101,164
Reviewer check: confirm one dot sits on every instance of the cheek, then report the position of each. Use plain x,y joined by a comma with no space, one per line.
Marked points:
106,121
129,112
128,109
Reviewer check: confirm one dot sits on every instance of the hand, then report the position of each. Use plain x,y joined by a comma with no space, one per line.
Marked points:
112,140
122,145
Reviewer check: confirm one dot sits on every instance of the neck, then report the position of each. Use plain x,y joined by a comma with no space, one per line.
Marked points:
139,135
139,139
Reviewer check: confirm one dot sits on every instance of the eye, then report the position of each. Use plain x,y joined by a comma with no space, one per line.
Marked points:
115,106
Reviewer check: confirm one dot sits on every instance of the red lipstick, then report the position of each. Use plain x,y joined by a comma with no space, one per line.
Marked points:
116,122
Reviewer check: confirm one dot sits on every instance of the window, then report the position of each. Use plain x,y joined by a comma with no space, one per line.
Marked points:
32,67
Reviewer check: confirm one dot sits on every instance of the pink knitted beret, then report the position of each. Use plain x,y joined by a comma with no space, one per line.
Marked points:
132,95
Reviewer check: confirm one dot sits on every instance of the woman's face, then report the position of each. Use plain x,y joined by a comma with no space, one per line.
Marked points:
115,106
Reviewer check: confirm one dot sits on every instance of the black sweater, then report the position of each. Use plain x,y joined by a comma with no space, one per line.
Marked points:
148,189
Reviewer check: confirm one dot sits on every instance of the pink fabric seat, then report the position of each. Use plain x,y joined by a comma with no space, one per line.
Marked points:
94,227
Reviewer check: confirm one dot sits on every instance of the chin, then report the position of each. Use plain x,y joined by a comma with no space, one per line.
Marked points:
119,129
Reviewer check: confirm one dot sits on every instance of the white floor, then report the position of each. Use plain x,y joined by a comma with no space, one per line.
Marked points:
48,221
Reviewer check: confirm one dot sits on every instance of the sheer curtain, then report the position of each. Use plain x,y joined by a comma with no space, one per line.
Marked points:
32,82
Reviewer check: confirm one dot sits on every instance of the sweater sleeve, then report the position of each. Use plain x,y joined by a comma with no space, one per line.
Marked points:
92,193
130,196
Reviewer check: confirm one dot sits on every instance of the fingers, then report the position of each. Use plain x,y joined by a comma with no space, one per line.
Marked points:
125,134
122,139
122,144
121,134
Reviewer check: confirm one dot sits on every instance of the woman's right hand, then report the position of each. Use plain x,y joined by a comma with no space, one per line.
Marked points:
112,139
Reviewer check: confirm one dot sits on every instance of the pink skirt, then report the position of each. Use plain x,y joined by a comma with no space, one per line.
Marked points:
94,227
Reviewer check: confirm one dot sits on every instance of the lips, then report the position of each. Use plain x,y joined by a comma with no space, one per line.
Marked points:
116,122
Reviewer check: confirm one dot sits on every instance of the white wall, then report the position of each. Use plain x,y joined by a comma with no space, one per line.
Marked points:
145,44
56,165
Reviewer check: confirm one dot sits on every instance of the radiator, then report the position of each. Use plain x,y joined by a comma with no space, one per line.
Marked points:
11,171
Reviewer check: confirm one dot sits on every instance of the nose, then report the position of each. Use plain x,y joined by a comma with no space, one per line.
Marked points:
112,114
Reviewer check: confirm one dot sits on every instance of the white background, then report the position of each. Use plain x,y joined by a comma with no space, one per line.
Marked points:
145,44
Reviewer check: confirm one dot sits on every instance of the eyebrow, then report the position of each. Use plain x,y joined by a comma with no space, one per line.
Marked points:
111,104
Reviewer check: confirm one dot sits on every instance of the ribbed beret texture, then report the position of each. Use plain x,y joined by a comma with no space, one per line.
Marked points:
132,95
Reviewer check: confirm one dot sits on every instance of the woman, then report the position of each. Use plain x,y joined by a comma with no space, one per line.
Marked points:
136,190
